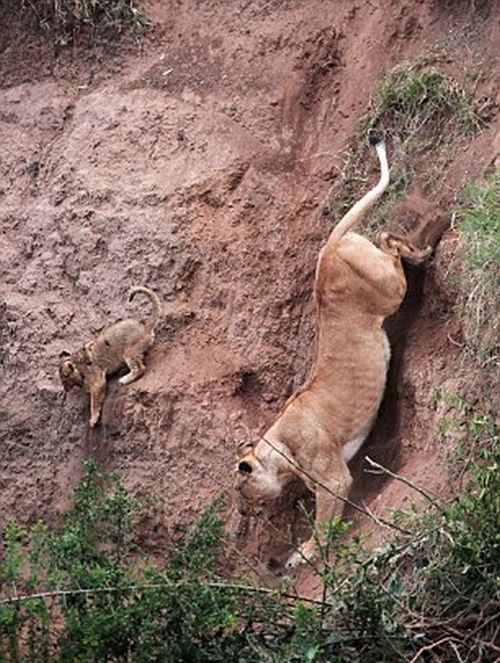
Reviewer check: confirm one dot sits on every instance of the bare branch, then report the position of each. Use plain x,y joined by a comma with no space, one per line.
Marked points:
156,586
383,470
342,498
429,647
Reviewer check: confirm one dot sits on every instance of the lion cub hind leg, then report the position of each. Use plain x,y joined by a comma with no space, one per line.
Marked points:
400,247
97,388
136,369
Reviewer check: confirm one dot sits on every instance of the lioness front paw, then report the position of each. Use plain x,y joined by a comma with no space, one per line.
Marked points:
301,556
94,421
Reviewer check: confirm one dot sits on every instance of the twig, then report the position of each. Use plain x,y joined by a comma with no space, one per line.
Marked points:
455,343
265,590
429,647
250,565
342,498
291,543
484,623
457,653
130,588
75,592
394,475
374,517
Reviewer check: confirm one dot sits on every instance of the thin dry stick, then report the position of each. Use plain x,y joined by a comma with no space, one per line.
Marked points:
374,517
342,498
264,590
130,588
290,543
250,565
323,548
429,647
383,470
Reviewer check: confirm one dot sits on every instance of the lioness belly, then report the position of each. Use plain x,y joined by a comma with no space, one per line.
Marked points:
351,448
353,445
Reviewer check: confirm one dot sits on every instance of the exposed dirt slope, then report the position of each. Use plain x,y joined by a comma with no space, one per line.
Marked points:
198,162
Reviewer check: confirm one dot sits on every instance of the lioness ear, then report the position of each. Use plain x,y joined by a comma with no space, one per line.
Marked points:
244,467
64,353
243,448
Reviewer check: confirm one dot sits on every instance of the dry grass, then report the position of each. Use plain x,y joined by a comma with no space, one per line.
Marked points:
478,264
65,19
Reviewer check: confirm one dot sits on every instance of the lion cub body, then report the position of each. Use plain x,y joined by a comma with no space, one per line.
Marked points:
121,344
322,426
123,339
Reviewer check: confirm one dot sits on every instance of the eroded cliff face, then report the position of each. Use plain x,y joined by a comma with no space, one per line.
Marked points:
198,162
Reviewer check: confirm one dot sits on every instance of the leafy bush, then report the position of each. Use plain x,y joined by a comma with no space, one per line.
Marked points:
84,591
478,263
67,18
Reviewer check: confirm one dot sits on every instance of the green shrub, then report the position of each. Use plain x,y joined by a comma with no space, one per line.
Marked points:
478,264
419,109
85,591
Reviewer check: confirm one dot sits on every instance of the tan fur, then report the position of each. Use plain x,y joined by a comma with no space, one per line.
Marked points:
322,425
123,343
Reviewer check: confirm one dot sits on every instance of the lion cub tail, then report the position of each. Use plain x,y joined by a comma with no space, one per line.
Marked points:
152,321
359,209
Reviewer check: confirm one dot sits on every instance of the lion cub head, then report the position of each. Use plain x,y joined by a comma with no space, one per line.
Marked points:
73,368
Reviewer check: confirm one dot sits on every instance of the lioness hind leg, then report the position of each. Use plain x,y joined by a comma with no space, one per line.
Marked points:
136,370
400,247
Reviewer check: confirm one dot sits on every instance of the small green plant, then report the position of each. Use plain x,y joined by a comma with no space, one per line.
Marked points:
478,264
67,18
467,428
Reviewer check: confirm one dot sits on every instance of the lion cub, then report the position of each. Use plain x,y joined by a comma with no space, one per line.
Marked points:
123,343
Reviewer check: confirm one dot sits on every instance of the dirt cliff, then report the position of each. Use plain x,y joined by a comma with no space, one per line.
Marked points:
198,161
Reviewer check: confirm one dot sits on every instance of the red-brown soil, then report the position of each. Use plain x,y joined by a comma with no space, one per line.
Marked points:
198,161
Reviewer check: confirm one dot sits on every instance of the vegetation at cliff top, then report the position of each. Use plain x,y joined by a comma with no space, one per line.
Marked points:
66,19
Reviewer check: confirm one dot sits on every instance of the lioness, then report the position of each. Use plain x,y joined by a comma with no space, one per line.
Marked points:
322,426
123,343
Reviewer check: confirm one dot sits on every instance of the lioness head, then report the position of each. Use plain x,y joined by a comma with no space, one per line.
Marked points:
70,371
257,481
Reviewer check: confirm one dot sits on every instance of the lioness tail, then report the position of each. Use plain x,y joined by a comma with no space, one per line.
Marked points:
359,209
152,321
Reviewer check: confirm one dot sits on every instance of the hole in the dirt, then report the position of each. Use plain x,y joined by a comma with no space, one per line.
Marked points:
248,383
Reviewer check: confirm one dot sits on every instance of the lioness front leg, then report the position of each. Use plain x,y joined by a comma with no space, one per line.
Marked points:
402,248
97,389
327,506
136,370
